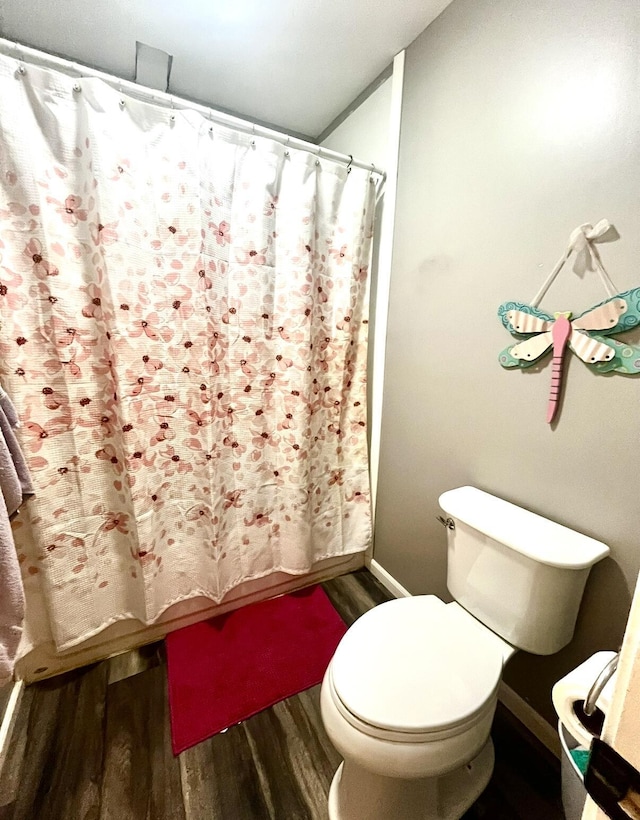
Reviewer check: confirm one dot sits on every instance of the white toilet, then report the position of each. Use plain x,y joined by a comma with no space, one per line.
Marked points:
409,696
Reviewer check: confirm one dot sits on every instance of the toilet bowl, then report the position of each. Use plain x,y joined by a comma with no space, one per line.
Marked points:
408,700
409,696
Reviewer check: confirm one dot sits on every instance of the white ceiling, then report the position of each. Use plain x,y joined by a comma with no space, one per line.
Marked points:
294,63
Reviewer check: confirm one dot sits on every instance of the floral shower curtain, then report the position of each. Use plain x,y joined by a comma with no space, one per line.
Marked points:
184,335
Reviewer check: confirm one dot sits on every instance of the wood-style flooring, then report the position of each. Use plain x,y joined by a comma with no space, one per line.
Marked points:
95,745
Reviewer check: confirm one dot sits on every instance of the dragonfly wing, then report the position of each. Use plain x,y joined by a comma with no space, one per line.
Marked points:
521,322
626,359
590,350
626,320
517,310
507,360
604,317
533,348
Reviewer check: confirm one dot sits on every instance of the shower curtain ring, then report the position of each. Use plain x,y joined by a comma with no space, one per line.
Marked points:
349,163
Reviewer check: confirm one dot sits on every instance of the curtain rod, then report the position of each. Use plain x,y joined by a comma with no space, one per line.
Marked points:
26,53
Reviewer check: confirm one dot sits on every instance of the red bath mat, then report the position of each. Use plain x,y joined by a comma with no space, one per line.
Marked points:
226,669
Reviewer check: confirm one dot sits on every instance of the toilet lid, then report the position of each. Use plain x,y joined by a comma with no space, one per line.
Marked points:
411,666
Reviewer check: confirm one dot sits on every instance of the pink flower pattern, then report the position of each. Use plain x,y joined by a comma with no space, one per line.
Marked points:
187,354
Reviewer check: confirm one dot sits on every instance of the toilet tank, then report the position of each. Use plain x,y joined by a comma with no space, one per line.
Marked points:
518,573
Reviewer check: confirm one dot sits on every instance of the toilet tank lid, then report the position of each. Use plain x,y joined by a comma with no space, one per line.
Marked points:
523,531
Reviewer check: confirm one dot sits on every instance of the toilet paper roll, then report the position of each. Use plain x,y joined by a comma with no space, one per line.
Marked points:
574,687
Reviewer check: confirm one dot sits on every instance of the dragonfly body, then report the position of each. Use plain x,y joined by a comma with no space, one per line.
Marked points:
560,333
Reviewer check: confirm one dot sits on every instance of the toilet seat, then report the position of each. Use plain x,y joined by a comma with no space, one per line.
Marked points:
413,670
414,737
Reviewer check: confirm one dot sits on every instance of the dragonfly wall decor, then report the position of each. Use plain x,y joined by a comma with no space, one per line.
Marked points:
589,335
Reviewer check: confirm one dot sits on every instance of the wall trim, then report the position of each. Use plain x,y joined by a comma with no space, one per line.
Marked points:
387,580
529,718
510,699
383,287
9,720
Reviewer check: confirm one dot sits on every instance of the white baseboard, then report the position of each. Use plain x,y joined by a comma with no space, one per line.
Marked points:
387,580
527,715
518,707
9,719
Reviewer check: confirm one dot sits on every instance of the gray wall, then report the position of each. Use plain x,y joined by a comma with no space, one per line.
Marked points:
520,122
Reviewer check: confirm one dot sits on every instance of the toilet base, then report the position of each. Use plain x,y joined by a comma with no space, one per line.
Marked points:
357,794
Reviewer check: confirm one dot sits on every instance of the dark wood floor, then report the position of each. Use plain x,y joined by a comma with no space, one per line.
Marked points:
95,745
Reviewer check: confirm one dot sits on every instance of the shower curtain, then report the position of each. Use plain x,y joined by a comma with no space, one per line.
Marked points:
184,334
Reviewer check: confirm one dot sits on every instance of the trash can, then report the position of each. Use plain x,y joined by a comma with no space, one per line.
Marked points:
574,793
